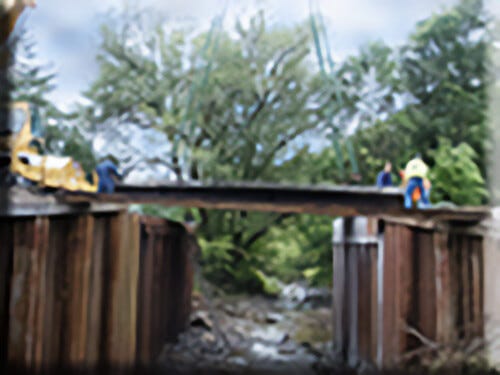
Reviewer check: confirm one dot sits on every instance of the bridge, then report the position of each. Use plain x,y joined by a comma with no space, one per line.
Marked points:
84,283
115,286
346,201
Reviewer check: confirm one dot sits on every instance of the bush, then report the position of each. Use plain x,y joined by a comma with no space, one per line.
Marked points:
456,176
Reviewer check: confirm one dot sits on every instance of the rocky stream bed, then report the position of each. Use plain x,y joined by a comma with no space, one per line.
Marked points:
256,335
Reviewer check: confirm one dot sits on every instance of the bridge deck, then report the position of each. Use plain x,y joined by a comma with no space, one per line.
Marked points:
323,200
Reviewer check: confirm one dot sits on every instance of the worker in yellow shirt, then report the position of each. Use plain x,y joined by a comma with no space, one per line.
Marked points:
415,174
417,194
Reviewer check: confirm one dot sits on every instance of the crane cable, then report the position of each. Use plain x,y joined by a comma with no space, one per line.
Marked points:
189,116
190,98
208,69
319,54
350,148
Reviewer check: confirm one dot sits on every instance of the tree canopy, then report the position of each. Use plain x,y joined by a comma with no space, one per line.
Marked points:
250,103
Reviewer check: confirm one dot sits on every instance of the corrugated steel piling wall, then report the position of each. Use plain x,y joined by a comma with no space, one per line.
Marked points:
392,279
72,290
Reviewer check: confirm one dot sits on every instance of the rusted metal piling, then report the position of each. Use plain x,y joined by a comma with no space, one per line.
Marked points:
72,288
396,279
165,285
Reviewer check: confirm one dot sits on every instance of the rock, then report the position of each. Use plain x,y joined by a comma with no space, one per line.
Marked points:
229,310
312,349
295,292
288,348
208,337
272,318
293,295
259,317
202,319
238,361
318,297
284,339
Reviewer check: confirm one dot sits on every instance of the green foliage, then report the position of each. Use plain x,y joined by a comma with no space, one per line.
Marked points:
241,123
270,285
242,118
298,248
250,119
32,81
457,177
66,141
443,70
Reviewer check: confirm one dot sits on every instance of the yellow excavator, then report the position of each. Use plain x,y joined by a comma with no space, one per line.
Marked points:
28,158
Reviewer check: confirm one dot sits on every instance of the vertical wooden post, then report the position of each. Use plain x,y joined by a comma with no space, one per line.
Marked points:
165,286
95,327
26,304
477,287
380,295
124,269
389,300
145,296
405,255
444,310
42,226
466,287
79,250
6,254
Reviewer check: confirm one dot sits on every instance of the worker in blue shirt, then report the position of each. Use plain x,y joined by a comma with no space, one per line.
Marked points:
384,178
107,172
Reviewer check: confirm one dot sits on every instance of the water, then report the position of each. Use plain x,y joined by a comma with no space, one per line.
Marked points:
257,335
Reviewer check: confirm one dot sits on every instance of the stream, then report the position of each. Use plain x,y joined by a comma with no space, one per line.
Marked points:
291,334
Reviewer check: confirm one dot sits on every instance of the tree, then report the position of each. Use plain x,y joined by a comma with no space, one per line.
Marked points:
142,79
32,81
444,69
244,114
69,141
457,177
364,88
442,90
240,105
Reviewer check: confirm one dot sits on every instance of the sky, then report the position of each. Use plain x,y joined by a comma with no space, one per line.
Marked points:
67,32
